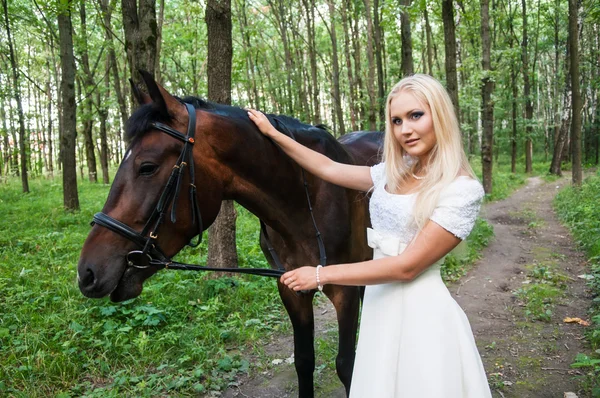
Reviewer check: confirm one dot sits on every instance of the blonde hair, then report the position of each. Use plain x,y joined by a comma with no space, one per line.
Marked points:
447,159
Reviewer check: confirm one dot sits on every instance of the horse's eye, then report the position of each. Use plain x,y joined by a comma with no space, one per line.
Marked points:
147,169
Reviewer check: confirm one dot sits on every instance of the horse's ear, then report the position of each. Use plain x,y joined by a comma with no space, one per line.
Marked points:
162,100
141,97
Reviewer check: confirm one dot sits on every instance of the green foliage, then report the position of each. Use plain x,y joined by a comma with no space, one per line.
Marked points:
579,209
458,262
184,335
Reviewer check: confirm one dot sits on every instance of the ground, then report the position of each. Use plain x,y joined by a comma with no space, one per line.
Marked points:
516,297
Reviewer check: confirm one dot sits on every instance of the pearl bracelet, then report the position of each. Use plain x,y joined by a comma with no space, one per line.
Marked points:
319,286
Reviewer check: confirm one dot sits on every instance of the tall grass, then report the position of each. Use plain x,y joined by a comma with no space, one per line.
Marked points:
579,209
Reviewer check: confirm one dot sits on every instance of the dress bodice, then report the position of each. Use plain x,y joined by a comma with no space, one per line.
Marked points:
456,211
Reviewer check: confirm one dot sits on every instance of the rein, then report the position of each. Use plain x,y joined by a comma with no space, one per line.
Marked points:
151,255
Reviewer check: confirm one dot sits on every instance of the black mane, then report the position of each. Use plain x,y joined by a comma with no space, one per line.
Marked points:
141,120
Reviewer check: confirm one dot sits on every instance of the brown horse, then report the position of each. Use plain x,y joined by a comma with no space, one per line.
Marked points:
232,160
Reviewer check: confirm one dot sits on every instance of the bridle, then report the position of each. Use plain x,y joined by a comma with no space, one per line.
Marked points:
151,254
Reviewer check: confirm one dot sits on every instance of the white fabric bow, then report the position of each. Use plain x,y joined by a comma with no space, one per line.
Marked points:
387,245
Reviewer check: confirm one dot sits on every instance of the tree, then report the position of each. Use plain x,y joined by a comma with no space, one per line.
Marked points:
87,85
17,96
337,100
527,94
221,240
450,46
576,118
407,57
69,107
487,107
141,32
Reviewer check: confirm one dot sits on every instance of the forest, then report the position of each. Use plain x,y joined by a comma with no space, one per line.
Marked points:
321,62
523,75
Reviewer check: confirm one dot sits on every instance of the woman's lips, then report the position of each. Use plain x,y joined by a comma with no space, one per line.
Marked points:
411,142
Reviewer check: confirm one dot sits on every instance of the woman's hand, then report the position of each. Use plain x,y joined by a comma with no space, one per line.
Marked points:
262,122
304,278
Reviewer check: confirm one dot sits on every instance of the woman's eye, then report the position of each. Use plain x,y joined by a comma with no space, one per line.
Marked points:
417,115
147,169
396,121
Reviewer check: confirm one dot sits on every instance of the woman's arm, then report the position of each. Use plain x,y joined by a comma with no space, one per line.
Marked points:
348,176
432,243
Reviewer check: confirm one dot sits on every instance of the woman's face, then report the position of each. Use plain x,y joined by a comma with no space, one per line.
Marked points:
412,125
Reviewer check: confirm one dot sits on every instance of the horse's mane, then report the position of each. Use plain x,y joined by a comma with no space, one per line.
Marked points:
141,120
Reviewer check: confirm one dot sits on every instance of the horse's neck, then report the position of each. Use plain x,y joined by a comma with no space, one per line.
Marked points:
263,179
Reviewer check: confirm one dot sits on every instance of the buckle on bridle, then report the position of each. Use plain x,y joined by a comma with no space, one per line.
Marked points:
138,259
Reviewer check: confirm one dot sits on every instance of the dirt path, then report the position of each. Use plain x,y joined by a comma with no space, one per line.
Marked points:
523,357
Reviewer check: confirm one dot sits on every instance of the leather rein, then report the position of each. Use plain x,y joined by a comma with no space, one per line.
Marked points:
151,254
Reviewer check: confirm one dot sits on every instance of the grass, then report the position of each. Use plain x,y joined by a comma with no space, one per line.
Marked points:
184,335
579,209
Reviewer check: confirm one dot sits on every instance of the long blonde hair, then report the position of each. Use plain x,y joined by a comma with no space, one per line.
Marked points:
447,160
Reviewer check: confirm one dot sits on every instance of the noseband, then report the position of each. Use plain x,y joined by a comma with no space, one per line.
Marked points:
151,254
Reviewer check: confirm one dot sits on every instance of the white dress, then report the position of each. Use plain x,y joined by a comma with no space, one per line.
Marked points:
415,341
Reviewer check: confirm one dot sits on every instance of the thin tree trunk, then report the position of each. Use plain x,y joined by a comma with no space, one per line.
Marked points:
378,42
17,96
112,58
87,85
69,108
428,37
407,57
159,26
356,54
351,88
450,46
527,94
336,94
487,107
221,235
372,115
576,115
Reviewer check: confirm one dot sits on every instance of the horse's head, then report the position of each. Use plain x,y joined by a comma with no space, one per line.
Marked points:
139,188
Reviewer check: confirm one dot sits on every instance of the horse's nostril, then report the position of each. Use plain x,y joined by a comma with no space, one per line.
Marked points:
86,278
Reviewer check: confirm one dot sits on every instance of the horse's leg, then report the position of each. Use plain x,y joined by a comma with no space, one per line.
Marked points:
345,299
300,310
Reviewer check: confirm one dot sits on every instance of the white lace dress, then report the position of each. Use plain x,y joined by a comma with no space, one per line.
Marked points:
415,341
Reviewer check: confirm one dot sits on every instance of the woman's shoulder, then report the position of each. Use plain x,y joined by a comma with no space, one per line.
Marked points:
464,186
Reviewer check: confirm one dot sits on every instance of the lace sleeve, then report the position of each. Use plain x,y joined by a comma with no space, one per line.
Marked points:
378,174
458,207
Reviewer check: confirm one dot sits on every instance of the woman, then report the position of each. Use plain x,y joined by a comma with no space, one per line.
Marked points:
414,341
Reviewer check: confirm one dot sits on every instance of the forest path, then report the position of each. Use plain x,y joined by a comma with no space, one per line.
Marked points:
522,357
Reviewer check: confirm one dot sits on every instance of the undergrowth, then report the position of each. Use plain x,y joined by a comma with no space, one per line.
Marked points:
579,209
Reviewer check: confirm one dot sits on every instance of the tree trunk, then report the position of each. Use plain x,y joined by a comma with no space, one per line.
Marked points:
139,24
487,107
17,96
159,26
349,72
378,42
450,46
407,57
221,235
527,94
112,59
336,94
69,108
576,115
372,115
429,40
563,133
103,116
87,85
